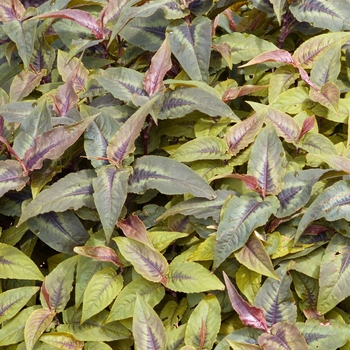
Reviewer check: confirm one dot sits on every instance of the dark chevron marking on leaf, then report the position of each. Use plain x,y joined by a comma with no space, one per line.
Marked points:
133,89
315,5
157,31
175,103
5,261
287,195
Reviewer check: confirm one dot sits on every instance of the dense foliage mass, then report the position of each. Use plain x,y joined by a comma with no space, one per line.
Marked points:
175,175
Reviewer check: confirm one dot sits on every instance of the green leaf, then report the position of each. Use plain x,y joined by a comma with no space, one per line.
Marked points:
191,277
37,323
204,324
148,262
246,335
283,335
332,204
191,45
241,217
205,250
15,264
276,299
123,306
279,8
16,112
172,313
147,327
168,177
11,176
334,274
329,335
103,287
176,337
248,282
13,300
317,144
110,190
58,285
254,256
267,162
71,192
162,239
61,340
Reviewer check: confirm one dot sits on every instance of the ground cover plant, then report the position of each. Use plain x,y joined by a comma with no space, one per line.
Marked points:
175,175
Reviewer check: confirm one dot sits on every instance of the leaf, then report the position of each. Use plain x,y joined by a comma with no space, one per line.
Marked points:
254,256
308,125
172,313
283,335
248,282
204,324
332,334
276,299
16,112
242,216
102,289
334,274
168,177
110,191
11,176
70,192
332,204
51,144
123,306
318,144
162,239
279,55
61,340
201,148
15,264
58,285
148,262
102,253
147,327
60,231
65,98
267,162
123,141
251,316
37,323
13,300
160,65
279,9
191,277
190,44
11,10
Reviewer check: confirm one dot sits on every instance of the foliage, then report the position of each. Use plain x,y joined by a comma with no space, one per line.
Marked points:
175,174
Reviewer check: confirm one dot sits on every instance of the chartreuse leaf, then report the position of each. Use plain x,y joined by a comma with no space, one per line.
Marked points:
267,161
254,256
148,262
280,81
204,323
191,277
168,177
317,144
162,239
93,329
61,340
201,148
37,323
11,176
103,287
242,216
12,332
283,335
58,285
71,192
15,264
172,313
276,298
13,300
147,327
204,251
242,346
245,336
176,337
318,334
191,45
334,274
248,282
332,204
110,190
123,306
94,345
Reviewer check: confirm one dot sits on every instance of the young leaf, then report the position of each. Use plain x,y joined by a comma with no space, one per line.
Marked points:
15,264
242,216
204,324
172,313
250,315
148,262
65,98
162,239
191,45
168,177
103,287
110,190
71,192
191,277
147,327
283,333
248,282
62,341
11,10
37,323
102,253
13,300
11,176
51,144
329,96
239,91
